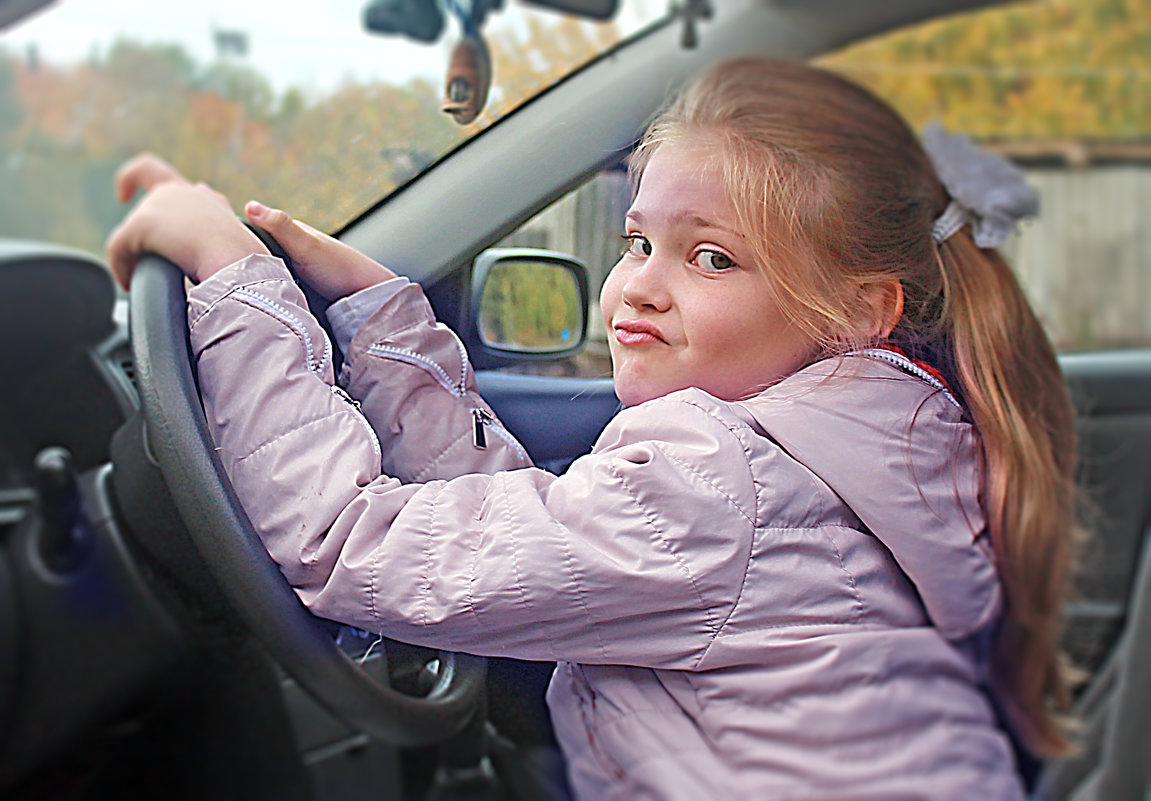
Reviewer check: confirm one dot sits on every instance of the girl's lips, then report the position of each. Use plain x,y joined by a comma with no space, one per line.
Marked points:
637,333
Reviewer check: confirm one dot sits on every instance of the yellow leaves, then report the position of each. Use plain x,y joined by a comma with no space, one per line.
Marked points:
213,118
1037,70
325,158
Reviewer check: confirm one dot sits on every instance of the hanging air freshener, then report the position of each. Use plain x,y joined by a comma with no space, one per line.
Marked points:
470,67
469,77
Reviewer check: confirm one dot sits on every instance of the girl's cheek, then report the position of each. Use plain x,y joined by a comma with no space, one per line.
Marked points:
610,293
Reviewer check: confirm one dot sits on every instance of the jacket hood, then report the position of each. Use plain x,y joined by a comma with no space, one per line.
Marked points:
893,444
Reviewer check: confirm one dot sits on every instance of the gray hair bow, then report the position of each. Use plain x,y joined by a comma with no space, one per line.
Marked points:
986,189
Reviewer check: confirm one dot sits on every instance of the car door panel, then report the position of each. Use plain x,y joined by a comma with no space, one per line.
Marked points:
556,419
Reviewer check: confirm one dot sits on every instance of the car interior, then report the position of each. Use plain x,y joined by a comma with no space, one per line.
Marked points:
149,647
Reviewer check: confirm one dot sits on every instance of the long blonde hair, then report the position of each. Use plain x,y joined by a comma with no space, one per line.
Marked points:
836,194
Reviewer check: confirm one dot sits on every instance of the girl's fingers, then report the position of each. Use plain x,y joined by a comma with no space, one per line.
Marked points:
300,241
279,224
297,238
142,173
120,257
331,268
304,245
123,247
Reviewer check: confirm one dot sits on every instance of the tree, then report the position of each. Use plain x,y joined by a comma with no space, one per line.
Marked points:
344,151
1055,69
239,83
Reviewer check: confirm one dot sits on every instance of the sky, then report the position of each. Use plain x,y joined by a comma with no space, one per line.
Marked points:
278,31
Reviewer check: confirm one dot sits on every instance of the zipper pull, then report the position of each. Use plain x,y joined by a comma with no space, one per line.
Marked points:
340,392
480,418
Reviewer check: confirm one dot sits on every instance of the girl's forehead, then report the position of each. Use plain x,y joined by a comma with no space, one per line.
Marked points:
683,183
694,152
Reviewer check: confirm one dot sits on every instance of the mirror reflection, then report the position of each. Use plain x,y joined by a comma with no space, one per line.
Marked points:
530,305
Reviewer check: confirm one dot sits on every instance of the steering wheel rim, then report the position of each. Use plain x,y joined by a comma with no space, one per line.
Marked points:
179,439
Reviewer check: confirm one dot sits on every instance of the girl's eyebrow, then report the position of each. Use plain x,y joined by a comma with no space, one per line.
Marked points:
694,220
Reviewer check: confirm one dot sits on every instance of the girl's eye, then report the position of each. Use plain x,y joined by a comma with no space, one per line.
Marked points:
637,245
713,261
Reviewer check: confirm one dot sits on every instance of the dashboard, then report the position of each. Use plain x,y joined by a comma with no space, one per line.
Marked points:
75,619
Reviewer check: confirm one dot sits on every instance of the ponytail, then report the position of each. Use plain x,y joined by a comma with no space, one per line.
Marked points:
1019,402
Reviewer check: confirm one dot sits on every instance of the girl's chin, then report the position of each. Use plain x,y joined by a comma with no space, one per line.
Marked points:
627,394
636,382
631,394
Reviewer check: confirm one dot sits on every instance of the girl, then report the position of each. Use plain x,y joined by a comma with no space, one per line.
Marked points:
830,526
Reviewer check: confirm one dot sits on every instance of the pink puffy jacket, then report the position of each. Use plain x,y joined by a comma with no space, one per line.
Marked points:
780,598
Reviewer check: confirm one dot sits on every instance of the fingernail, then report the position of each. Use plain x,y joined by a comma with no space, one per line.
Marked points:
256,208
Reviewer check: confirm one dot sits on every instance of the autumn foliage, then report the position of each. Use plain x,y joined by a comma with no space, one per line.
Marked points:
1040,70
1047,70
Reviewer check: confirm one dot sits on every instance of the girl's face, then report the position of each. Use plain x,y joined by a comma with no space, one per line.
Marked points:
688,304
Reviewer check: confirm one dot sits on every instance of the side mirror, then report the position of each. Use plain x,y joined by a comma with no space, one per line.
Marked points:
527,304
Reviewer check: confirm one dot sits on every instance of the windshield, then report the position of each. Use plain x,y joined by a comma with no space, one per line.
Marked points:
290,102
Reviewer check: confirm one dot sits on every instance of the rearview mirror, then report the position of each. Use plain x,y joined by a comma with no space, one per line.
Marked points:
529,303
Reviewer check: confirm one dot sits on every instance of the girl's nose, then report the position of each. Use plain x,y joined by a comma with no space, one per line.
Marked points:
646,287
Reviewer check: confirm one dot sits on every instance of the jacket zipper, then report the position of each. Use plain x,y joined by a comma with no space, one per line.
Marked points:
497,428
482,419
341,393
423,362
911,368
284,315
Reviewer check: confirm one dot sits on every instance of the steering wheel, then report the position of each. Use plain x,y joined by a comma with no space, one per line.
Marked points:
178,436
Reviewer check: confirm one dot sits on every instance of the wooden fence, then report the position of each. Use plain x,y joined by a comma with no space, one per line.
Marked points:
1086,260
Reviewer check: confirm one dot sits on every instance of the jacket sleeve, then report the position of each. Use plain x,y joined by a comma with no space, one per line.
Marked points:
634,556
415,385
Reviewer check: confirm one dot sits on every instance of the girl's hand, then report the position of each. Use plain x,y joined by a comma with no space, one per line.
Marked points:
143,173
189,224
186,224
332,268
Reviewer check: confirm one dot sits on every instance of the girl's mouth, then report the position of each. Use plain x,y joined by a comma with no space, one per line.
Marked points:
637,332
